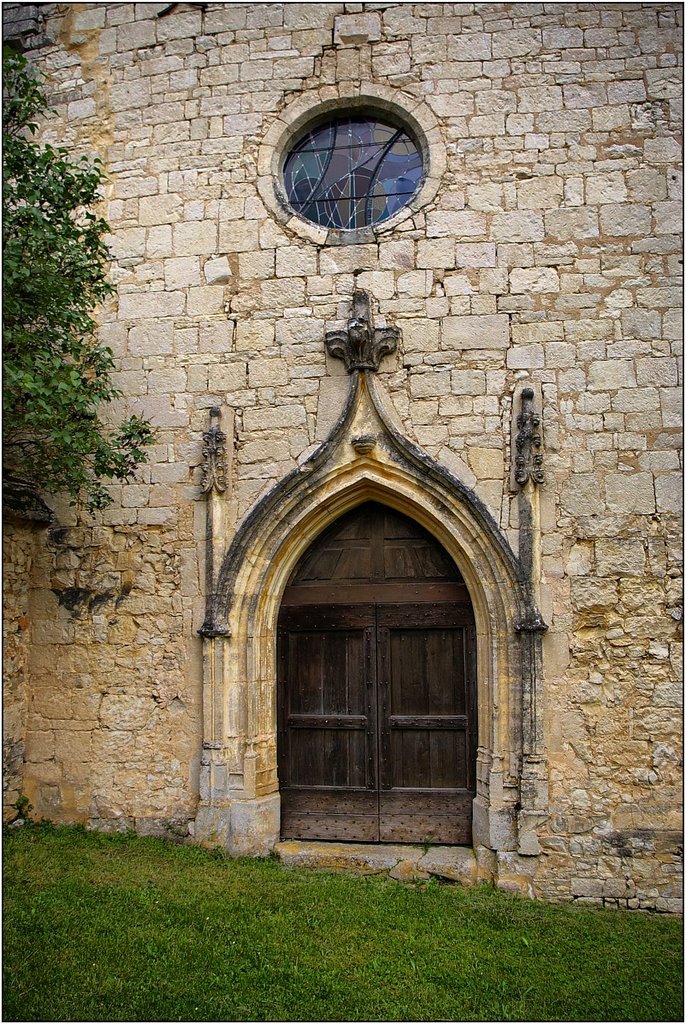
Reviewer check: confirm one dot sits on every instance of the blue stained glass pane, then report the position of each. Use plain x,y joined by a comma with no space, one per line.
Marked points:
352,173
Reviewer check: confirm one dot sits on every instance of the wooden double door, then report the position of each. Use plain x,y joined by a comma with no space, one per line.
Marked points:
377,695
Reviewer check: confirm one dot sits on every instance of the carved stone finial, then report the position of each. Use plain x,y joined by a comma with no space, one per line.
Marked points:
361,346
529,457
364,444
214,455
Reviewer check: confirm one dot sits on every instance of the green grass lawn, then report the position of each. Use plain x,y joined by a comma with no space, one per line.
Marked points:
121,928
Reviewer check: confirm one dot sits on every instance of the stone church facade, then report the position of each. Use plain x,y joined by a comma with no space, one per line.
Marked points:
497,361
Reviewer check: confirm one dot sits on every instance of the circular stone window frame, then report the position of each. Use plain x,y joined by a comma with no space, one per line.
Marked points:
313,109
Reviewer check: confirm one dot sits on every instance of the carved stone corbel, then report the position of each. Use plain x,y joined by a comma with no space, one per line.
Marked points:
529,457
214,455
360,345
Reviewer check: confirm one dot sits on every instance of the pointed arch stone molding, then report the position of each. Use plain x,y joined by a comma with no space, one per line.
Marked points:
366,457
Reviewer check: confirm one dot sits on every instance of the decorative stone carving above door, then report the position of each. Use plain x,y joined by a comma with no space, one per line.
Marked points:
365,458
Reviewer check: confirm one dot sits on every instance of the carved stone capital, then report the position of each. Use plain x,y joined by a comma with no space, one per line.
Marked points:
531,622
529,457
214,455
210,630
360,345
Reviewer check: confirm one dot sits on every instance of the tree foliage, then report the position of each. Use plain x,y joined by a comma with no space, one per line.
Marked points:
55,374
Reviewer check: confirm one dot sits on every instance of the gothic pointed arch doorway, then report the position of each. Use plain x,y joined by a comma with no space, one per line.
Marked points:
377,706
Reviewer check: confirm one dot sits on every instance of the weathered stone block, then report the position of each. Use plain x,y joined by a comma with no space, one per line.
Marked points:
625,219
295,262
426,385
539,193
526,357
519,124
180,25
606,188
135,35
537,279
539,98
282,293
630,493
641,323
487,463
610,374
467,332
639,400
195,239
81,109
516,42
237,236
149,305
130,95
451,862
472,46
571,224
546,331
474,254
662,150
267,372
205,301
518,227
254,335
353,29
581,495
562,38
125,712
217,271
669,493
458,224
587,886
585,95
256,265
181,273
620,557
160,209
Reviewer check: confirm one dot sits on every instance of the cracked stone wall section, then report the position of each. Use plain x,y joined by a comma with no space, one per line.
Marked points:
550,256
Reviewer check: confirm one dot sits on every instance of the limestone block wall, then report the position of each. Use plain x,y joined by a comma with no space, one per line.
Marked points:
18,556
550,254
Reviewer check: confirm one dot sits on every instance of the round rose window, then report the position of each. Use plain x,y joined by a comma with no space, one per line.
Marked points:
353,172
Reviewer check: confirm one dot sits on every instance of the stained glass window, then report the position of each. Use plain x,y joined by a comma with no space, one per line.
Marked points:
352,173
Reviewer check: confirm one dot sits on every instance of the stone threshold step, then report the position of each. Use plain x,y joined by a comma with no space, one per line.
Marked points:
404,863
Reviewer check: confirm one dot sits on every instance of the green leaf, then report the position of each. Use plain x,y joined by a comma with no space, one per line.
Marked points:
55,260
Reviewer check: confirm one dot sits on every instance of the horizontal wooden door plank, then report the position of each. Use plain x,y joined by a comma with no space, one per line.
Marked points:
422,816
428,721
451,830
318,799
336,814
334,828
424,615
376,593
326,617
327,722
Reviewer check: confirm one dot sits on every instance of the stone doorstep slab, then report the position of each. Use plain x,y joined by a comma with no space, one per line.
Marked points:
404,863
